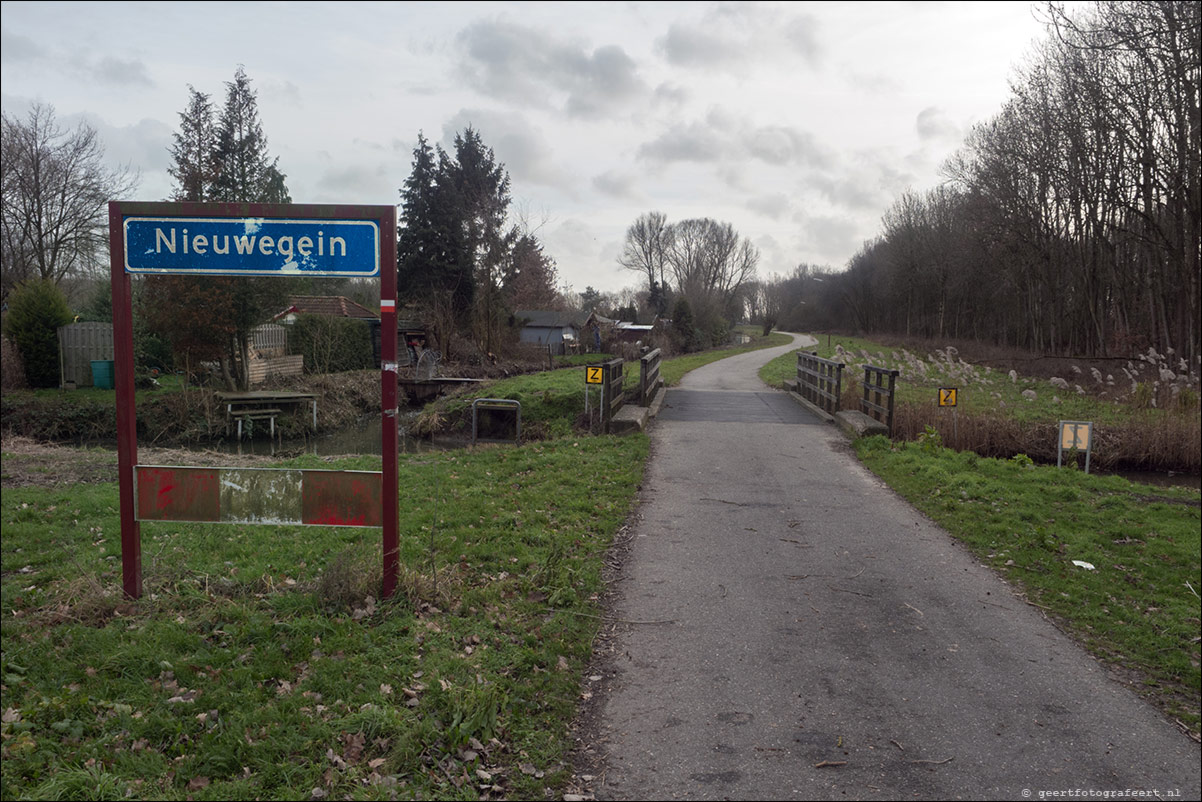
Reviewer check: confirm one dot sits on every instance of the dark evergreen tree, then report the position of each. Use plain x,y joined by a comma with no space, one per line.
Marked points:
192,153
238,169
433,268
36,309
482,195
243,171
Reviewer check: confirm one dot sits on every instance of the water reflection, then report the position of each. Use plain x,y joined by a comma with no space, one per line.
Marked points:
362,437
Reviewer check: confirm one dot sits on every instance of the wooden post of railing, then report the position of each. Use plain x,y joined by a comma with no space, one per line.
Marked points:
874,384
612,392
649,380
820,381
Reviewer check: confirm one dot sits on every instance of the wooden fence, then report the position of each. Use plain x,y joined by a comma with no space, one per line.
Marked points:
78,345
270,340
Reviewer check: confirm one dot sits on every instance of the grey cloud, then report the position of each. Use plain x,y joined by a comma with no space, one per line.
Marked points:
774,257
829,237
15,48
616,184
516,143
725,137
689,46
525,64
933,124
18,49
356,180
695,142
731,35
284,91
801,34
781,145
671,95
868,182
855,191
122,73
145,145
775,206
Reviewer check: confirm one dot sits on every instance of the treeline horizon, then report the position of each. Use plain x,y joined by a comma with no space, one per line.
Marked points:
1068,223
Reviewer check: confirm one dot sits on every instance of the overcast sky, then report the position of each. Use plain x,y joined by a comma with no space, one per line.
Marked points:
799,123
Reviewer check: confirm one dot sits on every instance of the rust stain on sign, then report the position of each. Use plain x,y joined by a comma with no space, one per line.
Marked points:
178,494
343,498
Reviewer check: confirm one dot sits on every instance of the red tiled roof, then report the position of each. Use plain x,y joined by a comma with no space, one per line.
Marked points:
333,305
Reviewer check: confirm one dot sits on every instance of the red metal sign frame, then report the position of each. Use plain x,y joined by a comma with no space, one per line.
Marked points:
123,353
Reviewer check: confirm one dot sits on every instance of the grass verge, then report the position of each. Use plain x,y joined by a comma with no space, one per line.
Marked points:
261,664
1137,607
1004,414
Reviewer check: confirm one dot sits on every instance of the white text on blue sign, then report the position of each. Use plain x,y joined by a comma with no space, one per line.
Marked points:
252,246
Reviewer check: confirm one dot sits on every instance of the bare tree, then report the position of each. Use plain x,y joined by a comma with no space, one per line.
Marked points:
55,191
645,251
711,263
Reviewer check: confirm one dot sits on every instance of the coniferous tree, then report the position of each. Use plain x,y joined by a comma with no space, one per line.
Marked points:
242,170
482,192
237,169
192,153
432,267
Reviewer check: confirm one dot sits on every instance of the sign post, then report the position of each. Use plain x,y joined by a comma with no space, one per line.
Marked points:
1075,435
947,398
594,376
253,239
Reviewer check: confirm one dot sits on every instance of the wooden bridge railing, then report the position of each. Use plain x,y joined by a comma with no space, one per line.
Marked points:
881,384
820,381
649,378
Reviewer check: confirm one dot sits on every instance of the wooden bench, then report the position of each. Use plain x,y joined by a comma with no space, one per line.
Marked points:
255,413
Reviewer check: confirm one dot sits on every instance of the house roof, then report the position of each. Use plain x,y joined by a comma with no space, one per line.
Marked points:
547,319
332,305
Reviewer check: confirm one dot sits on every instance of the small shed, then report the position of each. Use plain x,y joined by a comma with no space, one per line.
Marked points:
559,330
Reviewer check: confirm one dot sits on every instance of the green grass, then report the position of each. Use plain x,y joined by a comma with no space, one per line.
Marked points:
257,666
1139,608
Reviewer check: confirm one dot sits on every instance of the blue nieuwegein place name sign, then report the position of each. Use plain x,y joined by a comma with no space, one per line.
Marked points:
252,246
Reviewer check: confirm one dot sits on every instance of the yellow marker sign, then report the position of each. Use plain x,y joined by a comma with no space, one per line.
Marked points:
592,375
947,396
1074,435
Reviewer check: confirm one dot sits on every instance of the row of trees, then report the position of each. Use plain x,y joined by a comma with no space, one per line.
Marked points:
458,255
698,267
1071,221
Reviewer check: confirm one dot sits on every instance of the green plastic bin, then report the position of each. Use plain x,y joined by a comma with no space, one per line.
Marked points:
102,373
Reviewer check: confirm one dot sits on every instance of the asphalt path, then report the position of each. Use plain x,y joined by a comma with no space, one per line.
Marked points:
789,628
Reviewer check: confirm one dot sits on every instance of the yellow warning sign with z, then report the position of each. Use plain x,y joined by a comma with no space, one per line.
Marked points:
947,396
592,375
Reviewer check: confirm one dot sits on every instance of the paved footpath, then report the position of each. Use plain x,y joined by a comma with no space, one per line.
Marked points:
791,629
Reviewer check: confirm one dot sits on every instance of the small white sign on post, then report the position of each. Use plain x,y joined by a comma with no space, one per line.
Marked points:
1075,436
